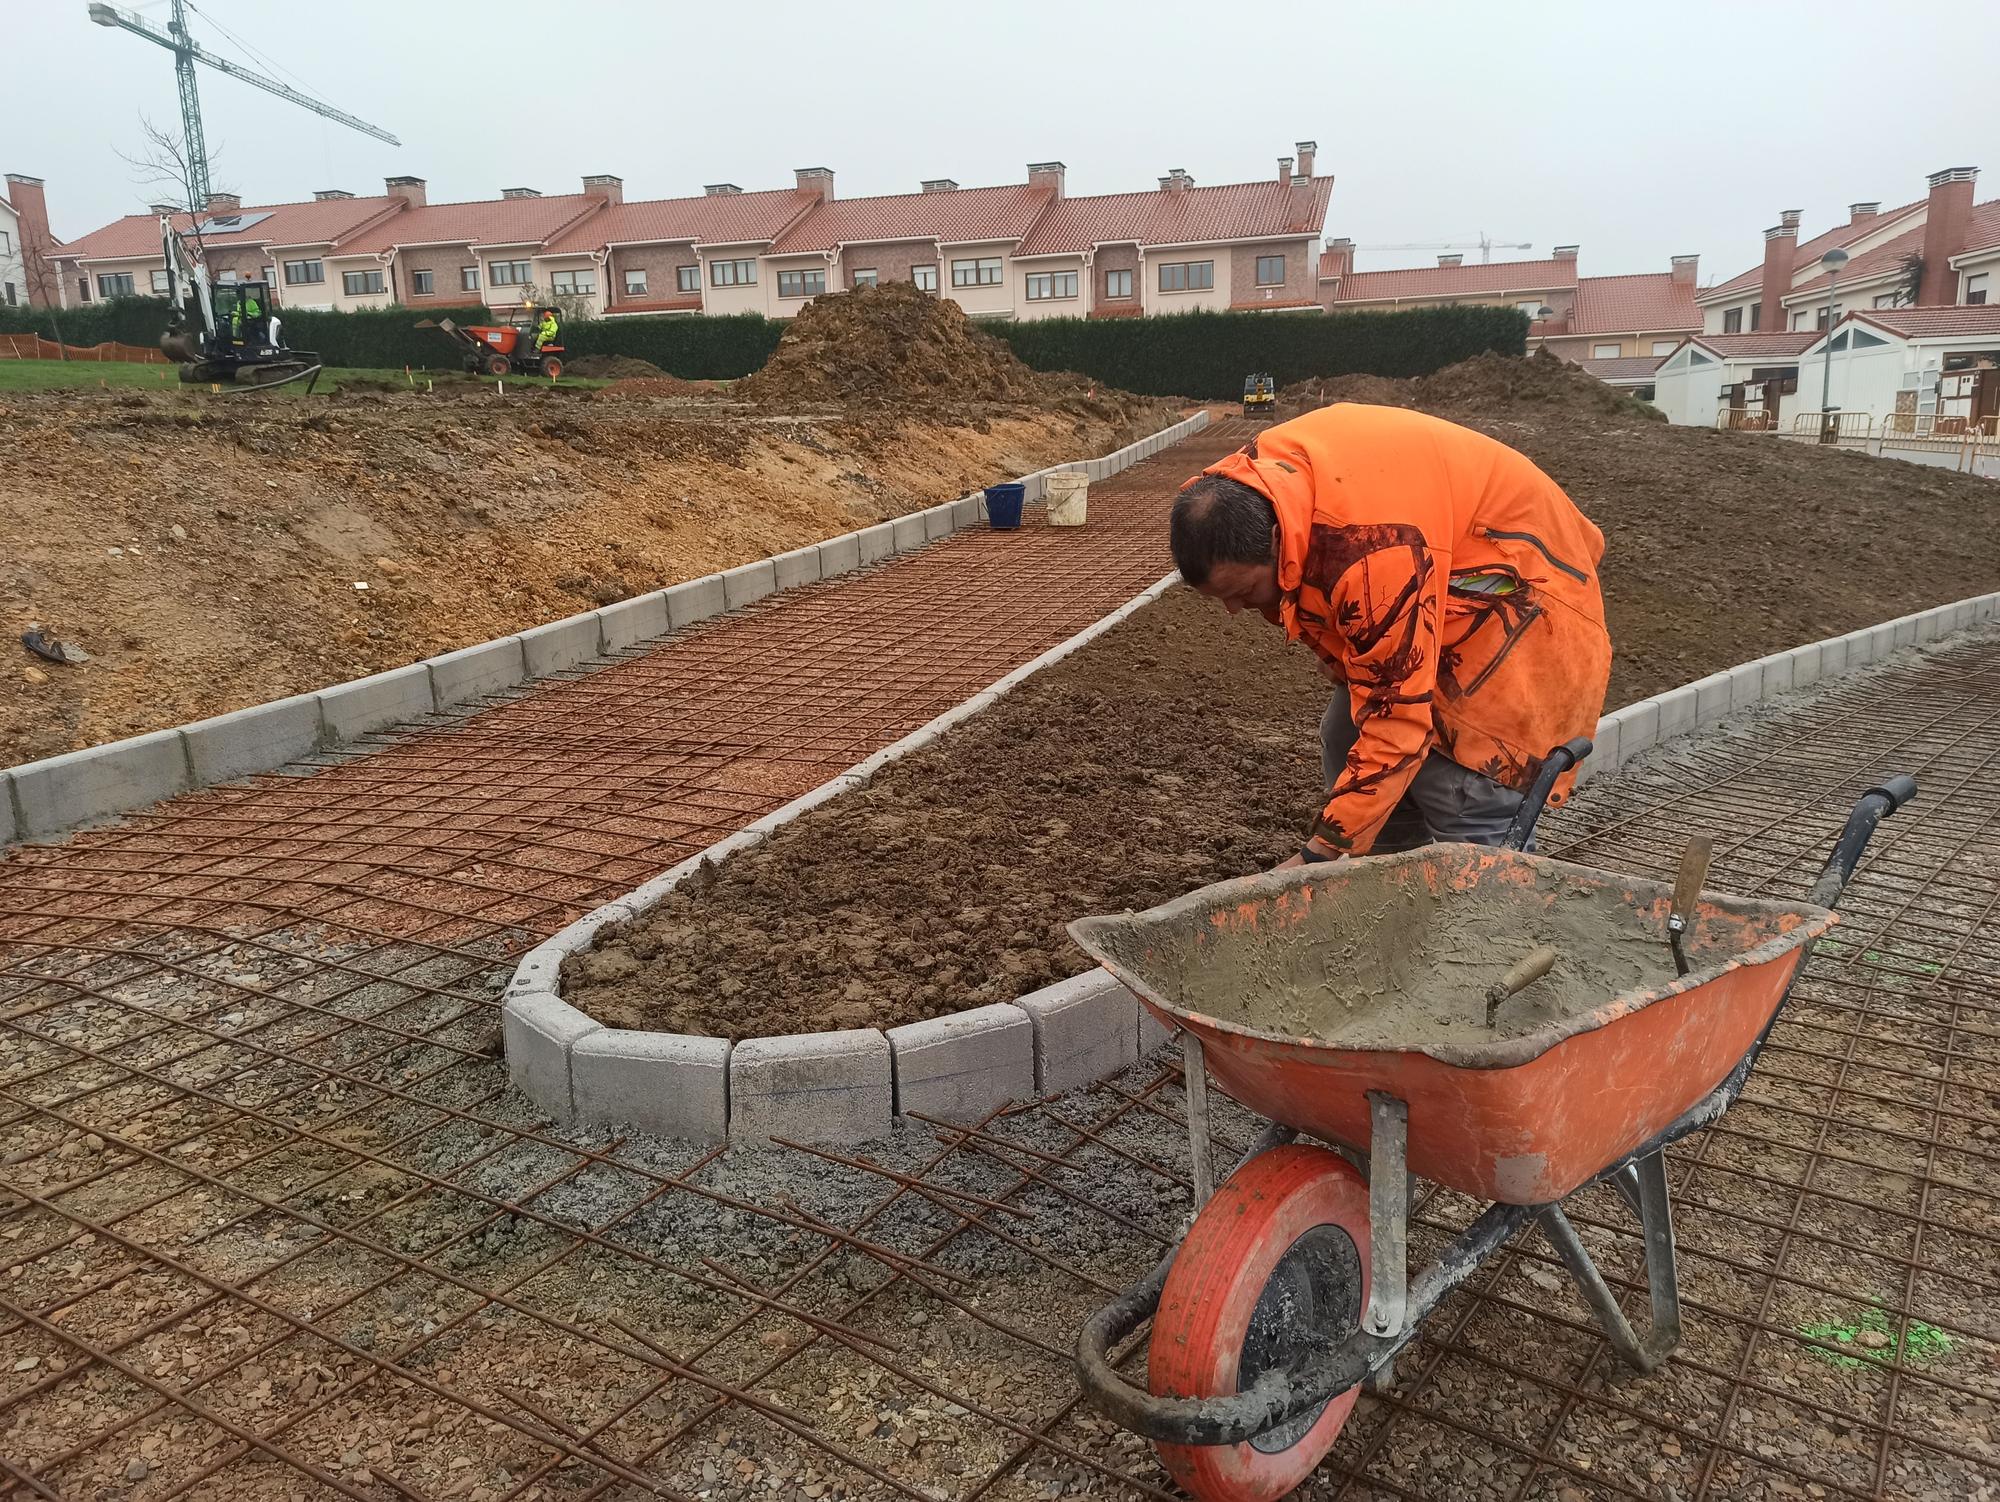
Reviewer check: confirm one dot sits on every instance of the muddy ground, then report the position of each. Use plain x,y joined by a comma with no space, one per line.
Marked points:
214,553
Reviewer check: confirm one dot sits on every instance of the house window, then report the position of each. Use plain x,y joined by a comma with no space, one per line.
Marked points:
688,278
1270,271
1756,316
573,283
1732,321
114,284
83,289
1606,351
422,283
1117,284
1044,285
733,273
984,272
356,283
925,277
1532,307
1820,314
299,273
468,278
162,284
801,283
1975,288
6,245
635,282
1186,276
1663,346
1799,319
862,276
508,273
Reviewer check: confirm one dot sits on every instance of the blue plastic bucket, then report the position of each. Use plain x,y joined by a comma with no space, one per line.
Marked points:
1003,505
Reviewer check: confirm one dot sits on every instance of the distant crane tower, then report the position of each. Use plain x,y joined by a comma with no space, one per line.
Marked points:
1485,245
177,40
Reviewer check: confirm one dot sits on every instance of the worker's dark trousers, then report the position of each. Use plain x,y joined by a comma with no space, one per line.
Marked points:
1443,802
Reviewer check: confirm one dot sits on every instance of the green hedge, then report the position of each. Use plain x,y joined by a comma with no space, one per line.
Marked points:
1207,355
1202,355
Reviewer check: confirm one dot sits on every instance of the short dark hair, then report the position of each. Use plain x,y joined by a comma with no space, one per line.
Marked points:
1219,520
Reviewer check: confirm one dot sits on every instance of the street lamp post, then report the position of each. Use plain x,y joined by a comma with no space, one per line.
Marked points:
1829,430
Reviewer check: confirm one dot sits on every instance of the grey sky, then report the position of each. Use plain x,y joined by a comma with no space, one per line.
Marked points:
1637,131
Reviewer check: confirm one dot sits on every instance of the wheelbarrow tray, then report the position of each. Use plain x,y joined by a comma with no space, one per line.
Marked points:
1521,1120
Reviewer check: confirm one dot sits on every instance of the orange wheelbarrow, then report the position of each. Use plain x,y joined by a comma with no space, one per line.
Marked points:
1290,1288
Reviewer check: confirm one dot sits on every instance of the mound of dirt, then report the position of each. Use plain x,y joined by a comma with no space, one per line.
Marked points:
1324,391
1485,385
656,385
893,343
612,367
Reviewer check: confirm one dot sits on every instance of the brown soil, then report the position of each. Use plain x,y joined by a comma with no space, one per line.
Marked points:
1149,763
206,554
611,367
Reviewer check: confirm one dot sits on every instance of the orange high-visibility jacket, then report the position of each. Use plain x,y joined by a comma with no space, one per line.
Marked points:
1448,581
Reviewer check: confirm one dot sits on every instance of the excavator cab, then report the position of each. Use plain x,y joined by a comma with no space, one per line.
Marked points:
243,311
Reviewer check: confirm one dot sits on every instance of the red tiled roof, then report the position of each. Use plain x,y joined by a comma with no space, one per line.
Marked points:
1194,216
713,219
955,216
321,222
1455,281
1623,368
1778,342
1649,302
1932,323
1811,250
1983,224
485,221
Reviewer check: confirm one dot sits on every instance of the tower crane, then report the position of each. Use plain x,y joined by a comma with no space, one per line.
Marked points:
1485,245
177,40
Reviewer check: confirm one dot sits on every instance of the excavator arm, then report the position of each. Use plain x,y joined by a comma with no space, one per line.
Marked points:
187,280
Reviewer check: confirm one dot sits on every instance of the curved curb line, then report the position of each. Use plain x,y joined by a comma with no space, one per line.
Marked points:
41,799
847,1086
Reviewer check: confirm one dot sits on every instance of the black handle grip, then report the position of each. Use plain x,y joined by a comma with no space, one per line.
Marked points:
1557,762
1870,810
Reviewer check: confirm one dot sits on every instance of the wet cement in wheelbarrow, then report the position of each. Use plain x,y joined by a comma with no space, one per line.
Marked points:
1398,966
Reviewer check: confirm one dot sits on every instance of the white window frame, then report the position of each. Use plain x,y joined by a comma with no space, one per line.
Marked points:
925,276
509,273
316,265
468,278
1729,314
582,283
107,284
1976,285
6,244
1121,290
732,273
423,282
634,279
979,271
348,289
1187,276
1606,351
1262,281
163,284
1052,286
1664,346
863,276
688,278
802,282
1531,307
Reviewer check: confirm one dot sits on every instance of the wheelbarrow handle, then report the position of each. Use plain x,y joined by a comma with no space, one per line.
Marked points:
1557,762
1870,810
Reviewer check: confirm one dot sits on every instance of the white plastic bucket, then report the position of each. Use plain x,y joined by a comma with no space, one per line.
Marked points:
1067,493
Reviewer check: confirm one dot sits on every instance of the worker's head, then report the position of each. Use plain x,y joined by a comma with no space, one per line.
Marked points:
1225,541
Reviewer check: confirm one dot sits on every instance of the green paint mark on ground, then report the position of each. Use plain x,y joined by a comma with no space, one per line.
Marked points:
1922,1342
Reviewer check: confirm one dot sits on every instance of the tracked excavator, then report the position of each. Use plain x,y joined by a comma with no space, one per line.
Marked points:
225,331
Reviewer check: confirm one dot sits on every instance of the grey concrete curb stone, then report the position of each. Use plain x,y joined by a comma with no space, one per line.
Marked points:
834,1087
696,600
908,532
351,710
632,621
877,542
800,566
538,1030
961,1067
562,645
748,582
476,672
253,740
839,554
1085,1028
673,1084
80,787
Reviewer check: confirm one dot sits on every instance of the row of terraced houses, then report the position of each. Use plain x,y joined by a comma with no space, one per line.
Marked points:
1022,250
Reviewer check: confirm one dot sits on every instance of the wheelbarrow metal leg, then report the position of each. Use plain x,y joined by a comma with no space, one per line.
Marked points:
1194,1072
1388,1215
1656,1224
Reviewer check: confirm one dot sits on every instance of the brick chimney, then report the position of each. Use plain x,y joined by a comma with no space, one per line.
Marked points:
1050,175
30,202
1307,150
720,190
1176,181
410,189
520,192
940,185
1451,260
1340,257
1781,249
224,203
1686,269
324,195
817,181
1302,205
603,185
1564,252
1946,220
1861,213
1284,169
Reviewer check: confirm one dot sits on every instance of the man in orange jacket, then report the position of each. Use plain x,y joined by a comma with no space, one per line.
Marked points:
1442,578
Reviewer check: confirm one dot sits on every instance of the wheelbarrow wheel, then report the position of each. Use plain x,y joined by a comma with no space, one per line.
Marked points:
1273,1271
499,365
